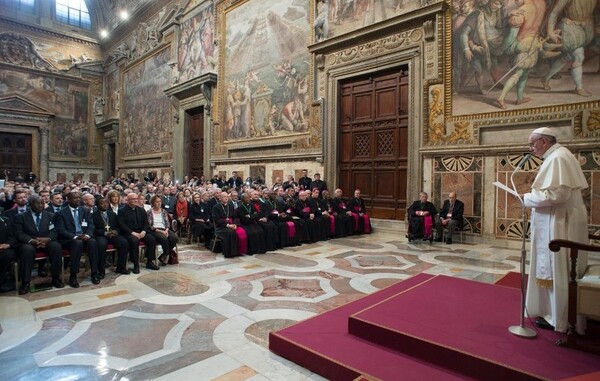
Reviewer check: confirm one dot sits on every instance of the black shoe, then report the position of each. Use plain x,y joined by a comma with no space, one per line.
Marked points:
543,324
152,266
163,260
73,282
101,275
124,271
24,289
95,279
438,239
136,269
57,283
449,241
42,273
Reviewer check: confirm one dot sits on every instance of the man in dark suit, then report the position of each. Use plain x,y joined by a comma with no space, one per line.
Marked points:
20,206
56,203
169,200
35,231
319,184
451,216
134,225
108,231
76,232
304,181
7,256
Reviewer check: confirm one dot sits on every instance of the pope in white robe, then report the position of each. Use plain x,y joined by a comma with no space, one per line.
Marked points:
558,212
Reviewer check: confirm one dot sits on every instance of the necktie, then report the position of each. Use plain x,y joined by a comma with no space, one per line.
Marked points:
38,220
77,223
451,207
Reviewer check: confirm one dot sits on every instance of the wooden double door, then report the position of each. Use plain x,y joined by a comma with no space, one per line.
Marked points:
373,130
16,154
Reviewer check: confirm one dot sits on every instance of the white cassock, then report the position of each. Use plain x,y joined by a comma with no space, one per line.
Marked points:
558,213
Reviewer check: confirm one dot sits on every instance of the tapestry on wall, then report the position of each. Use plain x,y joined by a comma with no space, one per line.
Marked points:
338,17
146,110
196,45
265,70
70,102
517,55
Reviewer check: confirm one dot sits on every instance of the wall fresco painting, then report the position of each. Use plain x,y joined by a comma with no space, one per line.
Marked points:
146,115
196,45
523,54
337,17
68,101
266,70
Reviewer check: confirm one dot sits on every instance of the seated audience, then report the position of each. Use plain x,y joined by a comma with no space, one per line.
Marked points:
362,222
108,232
134,225
451,216
421,214
7,257
75,233
158,219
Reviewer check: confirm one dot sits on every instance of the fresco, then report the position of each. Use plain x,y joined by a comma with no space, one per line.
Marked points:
523,53
146,110
69,101
196,45
266,70
111,95
337,17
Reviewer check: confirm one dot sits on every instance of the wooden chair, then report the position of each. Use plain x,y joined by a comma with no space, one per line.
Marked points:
584,293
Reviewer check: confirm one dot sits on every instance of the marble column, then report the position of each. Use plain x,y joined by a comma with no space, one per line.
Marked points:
44,174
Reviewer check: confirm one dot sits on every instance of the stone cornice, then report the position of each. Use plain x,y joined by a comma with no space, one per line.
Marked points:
56,33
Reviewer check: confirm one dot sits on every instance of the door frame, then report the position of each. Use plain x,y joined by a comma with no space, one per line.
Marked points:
376,64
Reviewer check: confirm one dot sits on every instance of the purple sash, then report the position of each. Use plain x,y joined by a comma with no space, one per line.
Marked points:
291,229
242,240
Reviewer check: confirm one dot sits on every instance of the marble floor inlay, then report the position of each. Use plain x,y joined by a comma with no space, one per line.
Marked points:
209,318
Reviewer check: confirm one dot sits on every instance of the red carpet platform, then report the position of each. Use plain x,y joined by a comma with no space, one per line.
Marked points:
435,328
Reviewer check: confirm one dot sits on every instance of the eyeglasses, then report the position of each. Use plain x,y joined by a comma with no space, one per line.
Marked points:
532,144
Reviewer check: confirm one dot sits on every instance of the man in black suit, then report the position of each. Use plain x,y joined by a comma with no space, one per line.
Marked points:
451,216
169,200
7,256
108,231
20,199
76,232
35,231
304,181
56,203
318,183
134,225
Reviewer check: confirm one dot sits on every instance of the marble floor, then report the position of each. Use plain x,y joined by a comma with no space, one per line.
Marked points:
208,318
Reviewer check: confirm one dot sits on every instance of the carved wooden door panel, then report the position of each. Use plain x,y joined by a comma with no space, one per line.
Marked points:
16,154
374,141
196,143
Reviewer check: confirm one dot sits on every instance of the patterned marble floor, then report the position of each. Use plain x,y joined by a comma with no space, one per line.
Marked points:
208,318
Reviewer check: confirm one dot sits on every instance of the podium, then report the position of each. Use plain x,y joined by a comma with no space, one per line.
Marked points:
519,330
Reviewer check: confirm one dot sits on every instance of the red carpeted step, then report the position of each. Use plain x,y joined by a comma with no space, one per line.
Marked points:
323,345
463,326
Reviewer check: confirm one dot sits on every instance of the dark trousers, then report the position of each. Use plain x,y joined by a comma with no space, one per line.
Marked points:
167,243
76,247
120,243
26,255
134,248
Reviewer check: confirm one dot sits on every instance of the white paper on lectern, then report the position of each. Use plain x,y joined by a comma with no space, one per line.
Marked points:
506,189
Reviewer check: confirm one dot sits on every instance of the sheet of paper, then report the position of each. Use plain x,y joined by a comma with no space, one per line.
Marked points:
505,188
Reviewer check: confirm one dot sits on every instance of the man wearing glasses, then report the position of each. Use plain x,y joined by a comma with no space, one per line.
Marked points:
558,212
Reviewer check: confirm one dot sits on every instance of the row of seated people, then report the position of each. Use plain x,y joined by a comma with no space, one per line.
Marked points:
75,228
266,221
423,218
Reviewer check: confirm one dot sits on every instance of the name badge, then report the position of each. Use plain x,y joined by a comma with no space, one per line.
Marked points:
166,206
51,226
84,224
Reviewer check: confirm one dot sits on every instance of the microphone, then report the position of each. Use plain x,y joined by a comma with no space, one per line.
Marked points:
523,161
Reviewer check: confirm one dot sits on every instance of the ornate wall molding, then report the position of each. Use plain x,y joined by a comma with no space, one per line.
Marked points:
16,49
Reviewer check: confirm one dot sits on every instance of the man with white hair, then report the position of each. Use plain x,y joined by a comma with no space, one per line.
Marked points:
558,212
